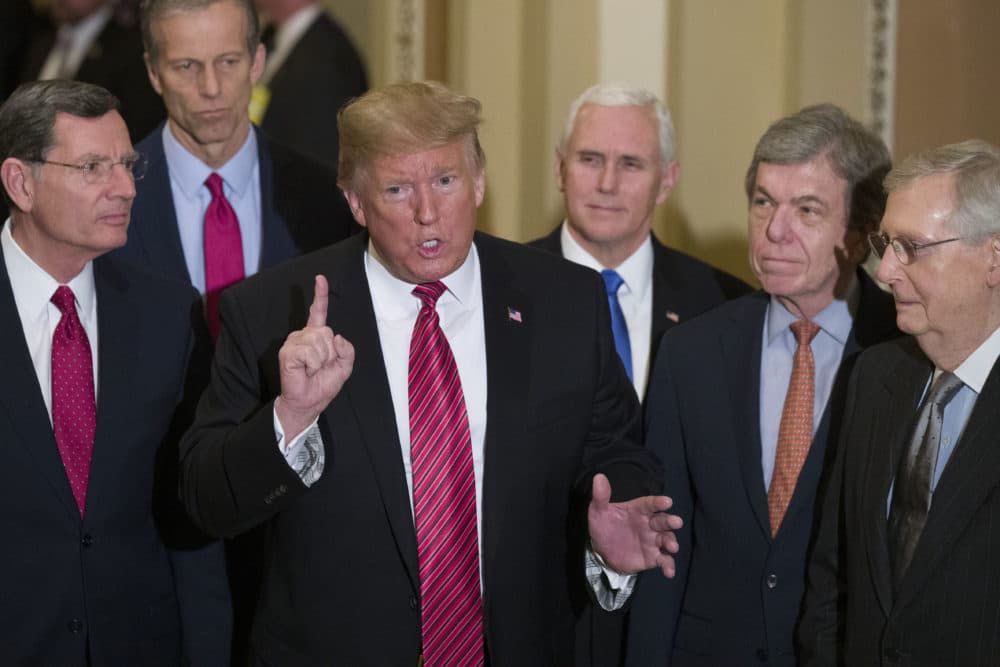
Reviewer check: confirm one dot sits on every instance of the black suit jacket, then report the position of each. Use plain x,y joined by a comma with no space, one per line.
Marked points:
115,62
737,593
947,610
127,584
682,286
342,583
322,72
301,209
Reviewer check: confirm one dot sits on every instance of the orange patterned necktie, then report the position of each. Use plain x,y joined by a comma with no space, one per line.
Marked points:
795,433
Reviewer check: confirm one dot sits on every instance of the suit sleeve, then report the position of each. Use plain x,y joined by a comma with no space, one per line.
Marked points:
233,475
657,600
818,629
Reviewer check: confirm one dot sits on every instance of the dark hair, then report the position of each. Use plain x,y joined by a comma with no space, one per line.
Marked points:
854,152
28,116
151,11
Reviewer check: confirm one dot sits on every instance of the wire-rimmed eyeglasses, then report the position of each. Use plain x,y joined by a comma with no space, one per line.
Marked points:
905,249
99,170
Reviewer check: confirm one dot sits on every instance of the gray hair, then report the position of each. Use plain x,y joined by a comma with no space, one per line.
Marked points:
28,116
623,95
975,165
854,153
151,11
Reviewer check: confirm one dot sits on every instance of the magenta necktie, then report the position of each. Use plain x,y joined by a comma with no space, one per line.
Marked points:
223,250
444,495
74,417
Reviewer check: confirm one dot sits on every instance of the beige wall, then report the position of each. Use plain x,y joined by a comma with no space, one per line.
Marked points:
727,69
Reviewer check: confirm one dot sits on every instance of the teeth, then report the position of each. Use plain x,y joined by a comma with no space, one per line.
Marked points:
430,244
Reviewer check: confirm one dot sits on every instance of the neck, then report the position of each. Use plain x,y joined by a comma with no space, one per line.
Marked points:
611,255
214,154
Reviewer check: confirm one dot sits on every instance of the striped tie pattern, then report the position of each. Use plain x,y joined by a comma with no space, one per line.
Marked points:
74,417
795,432
444,495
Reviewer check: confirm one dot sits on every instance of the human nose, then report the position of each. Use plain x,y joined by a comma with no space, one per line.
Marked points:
888,266
608,181
208,82
122,181
425,206
778,225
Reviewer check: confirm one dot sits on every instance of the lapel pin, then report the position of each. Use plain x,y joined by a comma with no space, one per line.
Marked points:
514,315
673,317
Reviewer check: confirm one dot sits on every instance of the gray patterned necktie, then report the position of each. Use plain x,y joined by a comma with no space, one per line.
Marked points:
911,497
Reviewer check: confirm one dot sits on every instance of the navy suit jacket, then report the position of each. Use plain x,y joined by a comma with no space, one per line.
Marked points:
683,287
342,583
302,209
738,591
130,583
947,608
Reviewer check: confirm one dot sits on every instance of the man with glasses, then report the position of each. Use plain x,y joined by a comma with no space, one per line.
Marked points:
905,566
99,565
743,401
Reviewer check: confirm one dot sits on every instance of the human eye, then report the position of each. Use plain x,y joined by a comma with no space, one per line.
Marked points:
447,179
760,201
588,158
632,164
94,168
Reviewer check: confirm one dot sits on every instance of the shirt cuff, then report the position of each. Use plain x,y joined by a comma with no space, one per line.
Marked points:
305,453
612,589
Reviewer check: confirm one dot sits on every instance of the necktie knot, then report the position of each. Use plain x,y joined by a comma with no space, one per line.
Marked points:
214,185
63,299
944,388
612,281
429,293
804,331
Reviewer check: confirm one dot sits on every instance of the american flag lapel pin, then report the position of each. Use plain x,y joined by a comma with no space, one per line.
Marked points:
514,315
673,317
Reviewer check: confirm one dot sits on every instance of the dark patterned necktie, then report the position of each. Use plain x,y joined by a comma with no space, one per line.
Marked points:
74,417
444,495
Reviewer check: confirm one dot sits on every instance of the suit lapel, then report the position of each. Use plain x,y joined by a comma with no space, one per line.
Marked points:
507,363
899,393
21,399
367,391
969,477
156,230
741,346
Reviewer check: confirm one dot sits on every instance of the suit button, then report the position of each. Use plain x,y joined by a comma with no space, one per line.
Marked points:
414,602
892,654
87,540
762,654
75,626
772,581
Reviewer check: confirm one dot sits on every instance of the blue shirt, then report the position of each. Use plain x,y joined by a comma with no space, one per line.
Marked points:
777,352
241,184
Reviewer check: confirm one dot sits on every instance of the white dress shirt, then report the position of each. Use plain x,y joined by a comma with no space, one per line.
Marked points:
33,288
286,37
635,296
72,44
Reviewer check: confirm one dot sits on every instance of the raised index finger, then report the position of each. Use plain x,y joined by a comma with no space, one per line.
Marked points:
321,299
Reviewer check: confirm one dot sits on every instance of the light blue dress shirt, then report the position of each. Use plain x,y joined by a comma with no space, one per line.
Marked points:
777,352
241,183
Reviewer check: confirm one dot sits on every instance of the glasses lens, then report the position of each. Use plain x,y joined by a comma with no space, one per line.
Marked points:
879,242
904,250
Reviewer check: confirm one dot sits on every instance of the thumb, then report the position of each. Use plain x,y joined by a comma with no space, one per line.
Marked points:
600,490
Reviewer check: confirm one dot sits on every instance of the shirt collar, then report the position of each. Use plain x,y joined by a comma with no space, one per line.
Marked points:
635,270
836,319
978,365
34,287
392,298
189,173
288,33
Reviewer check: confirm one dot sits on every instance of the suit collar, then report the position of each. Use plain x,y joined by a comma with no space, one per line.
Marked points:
154,227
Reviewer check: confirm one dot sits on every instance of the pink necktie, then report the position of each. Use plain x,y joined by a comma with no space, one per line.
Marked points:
444,495
795,432
223,250
74,418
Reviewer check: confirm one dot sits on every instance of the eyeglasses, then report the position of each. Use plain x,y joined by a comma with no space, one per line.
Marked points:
99,171
905,249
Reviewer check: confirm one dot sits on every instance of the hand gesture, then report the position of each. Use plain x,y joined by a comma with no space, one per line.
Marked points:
635,535
314,364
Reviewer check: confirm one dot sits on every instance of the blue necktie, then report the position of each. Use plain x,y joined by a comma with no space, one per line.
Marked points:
612,281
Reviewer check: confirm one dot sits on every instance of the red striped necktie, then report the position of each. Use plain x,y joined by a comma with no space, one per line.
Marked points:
74,416
444,495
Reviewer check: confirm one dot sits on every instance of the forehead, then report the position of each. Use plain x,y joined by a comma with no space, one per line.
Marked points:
634,127
203,32
430,162
921,207
75,136
813,179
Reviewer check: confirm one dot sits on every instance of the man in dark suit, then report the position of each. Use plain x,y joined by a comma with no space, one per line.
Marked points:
312,70
99,566
615,165
904,571
96,41
322,436
204,58
741,413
